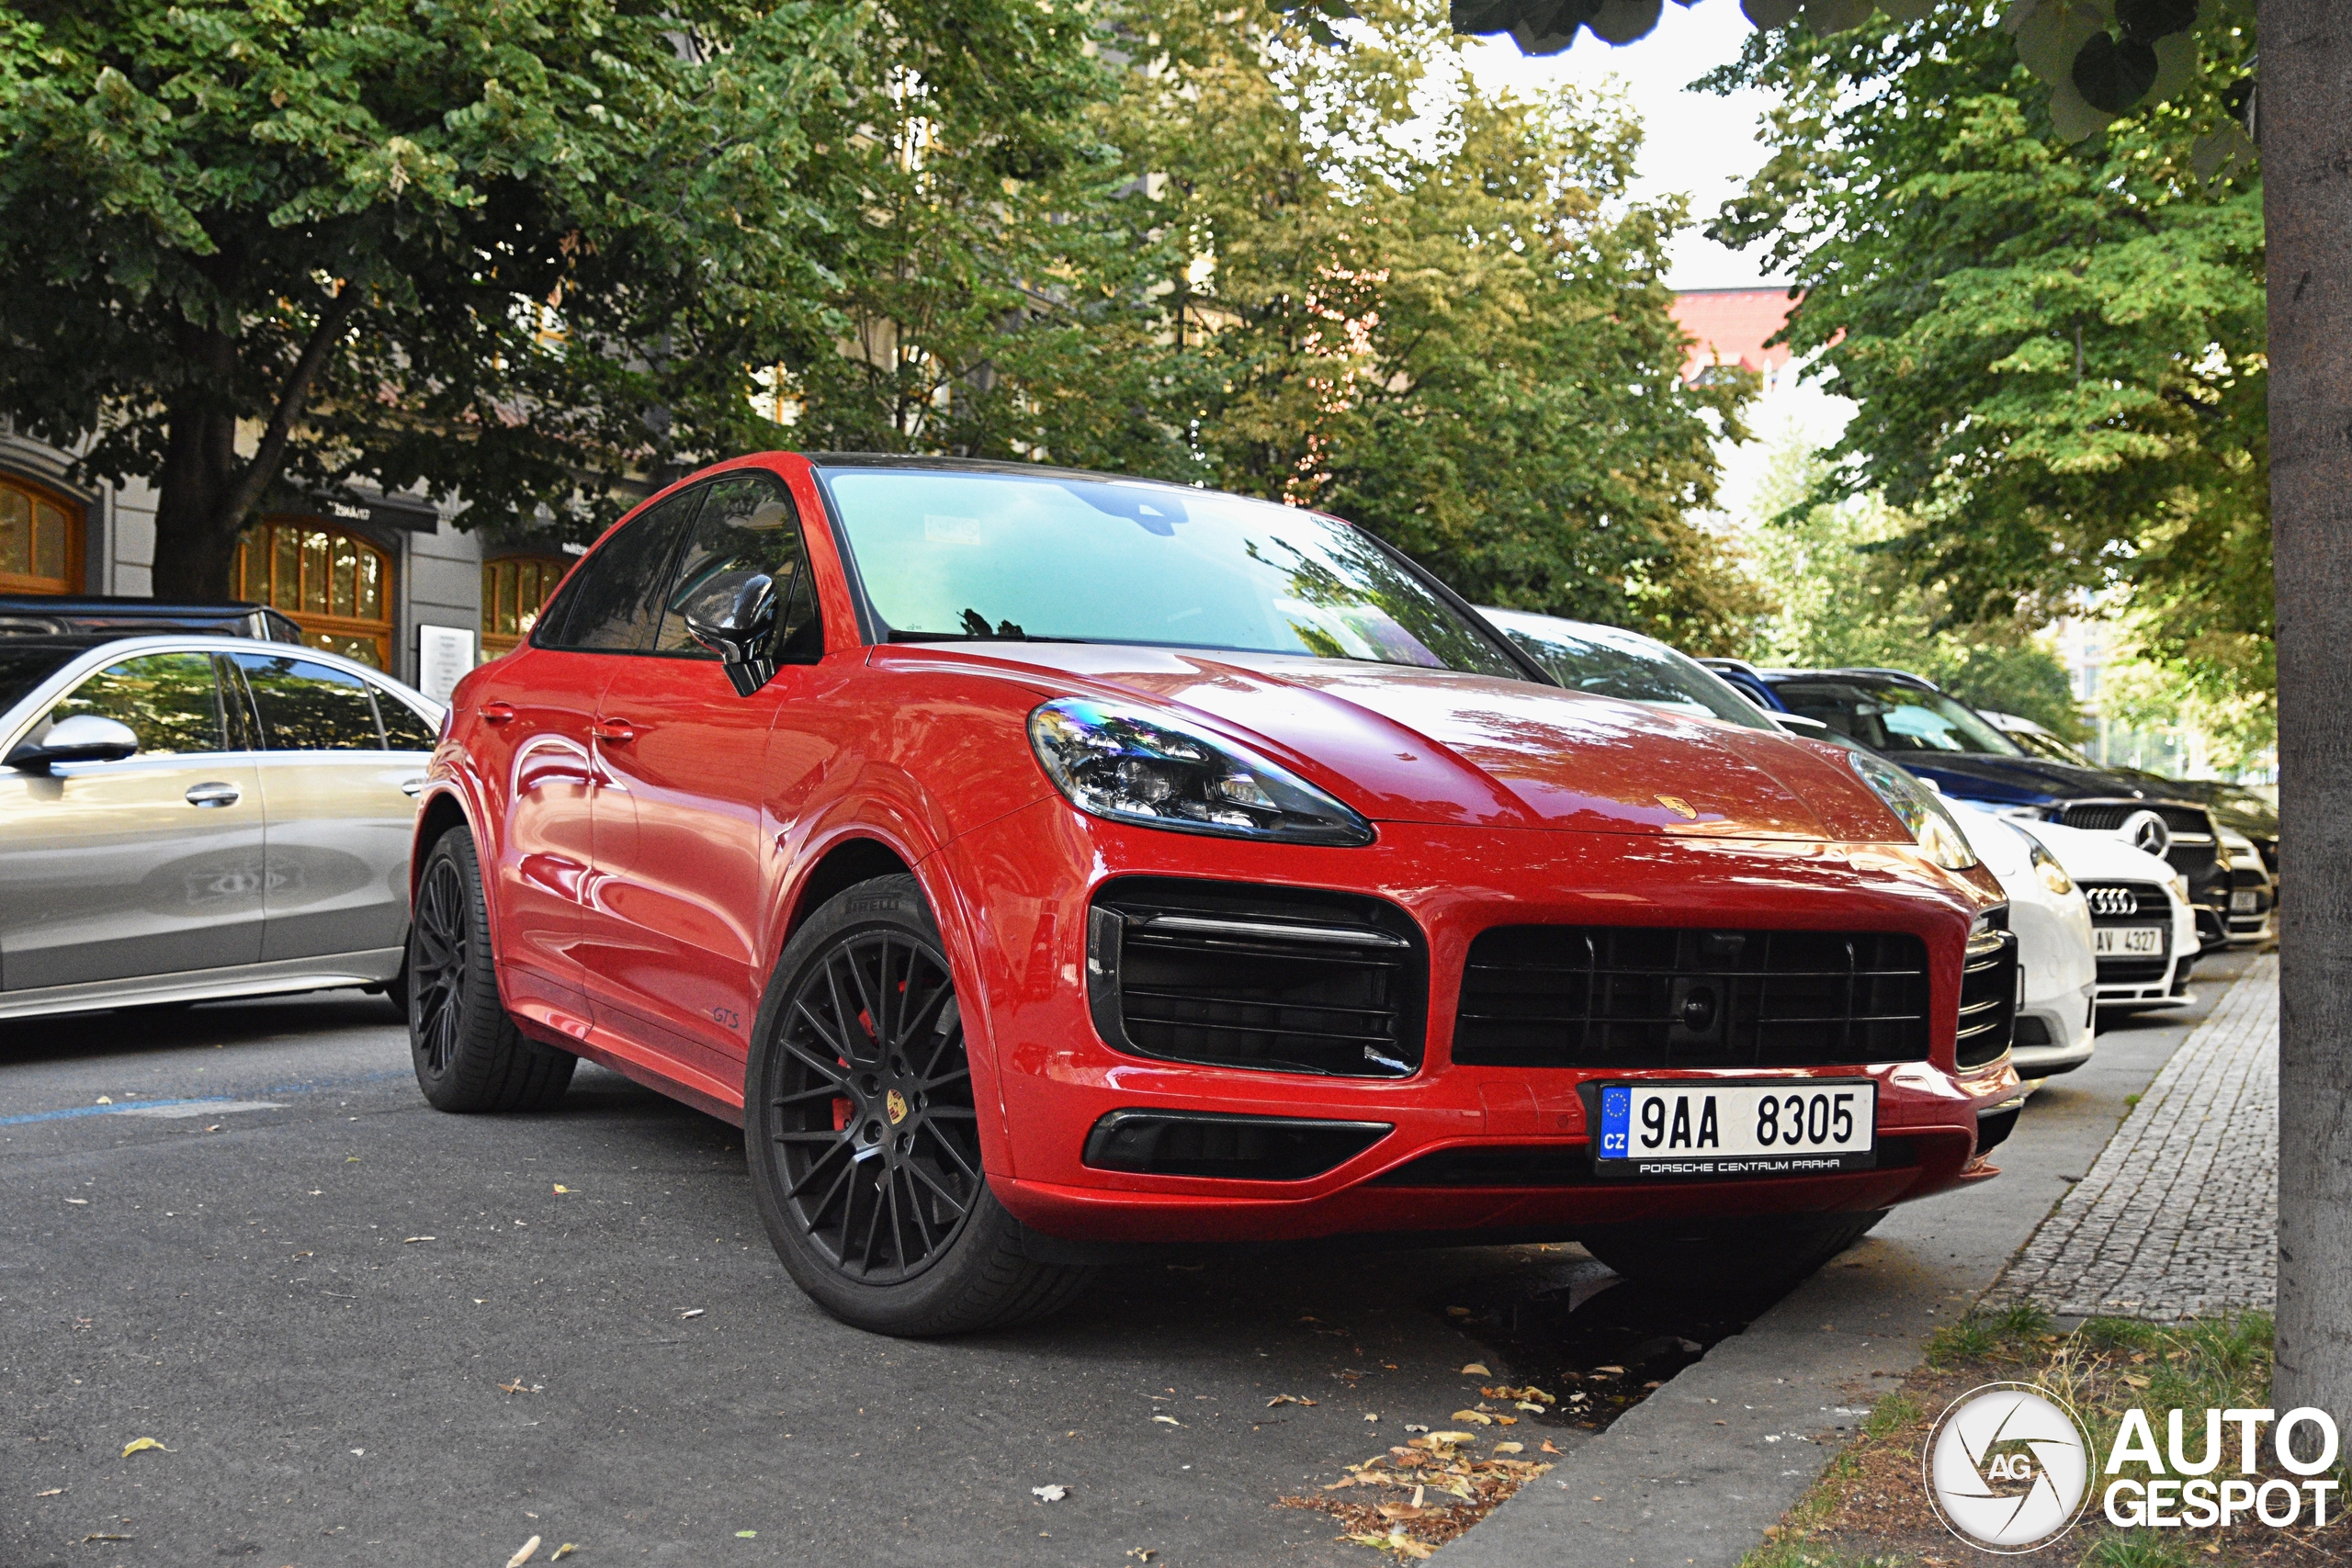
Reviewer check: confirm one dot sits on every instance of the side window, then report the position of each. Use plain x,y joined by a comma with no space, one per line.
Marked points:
614,601
406,730
169,700
309,707
747,524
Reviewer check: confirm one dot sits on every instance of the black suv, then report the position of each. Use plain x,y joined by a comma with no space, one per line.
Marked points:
106,617
1937,736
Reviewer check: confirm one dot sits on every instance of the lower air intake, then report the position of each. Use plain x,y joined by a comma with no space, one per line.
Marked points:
1234,1148
1233,975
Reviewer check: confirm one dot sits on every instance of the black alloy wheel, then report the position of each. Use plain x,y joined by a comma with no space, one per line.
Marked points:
873,1120
863,1138
468,1054
436,964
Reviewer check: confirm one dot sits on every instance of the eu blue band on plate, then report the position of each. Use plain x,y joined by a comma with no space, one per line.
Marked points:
1616,1123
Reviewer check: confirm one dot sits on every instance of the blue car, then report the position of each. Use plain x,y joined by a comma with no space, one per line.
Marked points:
1931,733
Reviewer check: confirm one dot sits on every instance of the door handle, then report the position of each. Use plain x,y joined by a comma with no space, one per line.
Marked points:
496,712
413,787
214,794
618,732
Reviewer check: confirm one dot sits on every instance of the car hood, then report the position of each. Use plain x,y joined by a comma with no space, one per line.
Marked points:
2098,857
1405,744
2023,780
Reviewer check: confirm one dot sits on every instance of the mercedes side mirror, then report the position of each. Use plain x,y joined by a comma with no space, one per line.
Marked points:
84,737
733,616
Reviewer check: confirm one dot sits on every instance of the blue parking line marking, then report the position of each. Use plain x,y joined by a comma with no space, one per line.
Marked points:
313,1087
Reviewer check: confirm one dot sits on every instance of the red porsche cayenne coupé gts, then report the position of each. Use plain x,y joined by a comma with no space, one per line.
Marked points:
1038,862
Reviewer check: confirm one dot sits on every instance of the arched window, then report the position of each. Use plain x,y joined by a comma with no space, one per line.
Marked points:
515,588
337,586
41,540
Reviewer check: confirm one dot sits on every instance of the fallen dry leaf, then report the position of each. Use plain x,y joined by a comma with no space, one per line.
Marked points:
692,1312
1510,1448
1372,1414
1548,1448
1052,1492
105,1100
1477,1369
407,1239
524,1554
1528,1405
1412,1427
566,1550
1286,1399
1170,1420
88,1539
515,1387
52,1492
1476,1417
1618,1370
560,1189
2135,1383
85,1203
141,1445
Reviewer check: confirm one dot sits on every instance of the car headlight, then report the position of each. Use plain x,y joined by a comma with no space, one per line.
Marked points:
1135,764
1927,819
2045,867
2179,885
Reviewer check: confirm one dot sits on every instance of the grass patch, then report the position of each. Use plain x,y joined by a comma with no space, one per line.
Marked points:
1869,1509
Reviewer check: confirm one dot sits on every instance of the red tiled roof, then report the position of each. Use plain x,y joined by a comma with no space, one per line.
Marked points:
1731,326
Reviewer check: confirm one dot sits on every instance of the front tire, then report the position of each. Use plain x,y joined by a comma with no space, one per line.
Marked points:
863,1136
1729,1256
468,1054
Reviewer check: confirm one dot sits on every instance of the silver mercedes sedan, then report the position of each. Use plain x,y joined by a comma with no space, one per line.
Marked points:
190,816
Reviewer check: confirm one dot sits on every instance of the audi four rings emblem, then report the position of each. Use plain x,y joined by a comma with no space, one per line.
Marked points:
2145,831
2113,901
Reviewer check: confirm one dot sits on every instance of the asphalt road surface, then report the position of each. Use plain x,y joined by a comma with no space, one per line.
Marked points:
268,1255
366,1332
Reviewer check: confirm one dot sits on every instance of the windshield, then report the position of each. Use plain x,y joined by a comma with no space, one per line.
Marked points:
1889,716
23,668
1612,663
2039,743
946,556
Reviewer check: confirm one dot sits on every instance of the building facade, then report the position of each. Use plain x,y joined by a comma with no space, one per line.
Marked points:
377,578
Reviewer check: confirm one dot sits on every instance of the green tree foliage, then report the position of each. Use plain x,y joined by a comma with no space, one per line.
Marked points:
1433,312
1843,598
2058,350
511,249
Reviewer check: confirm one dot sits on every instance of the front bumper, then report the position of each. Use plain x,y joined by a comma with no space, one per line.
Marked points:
1023,955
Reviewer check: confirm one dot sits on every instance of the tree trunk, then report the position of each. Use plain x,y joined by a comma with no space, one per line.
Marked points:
2307,198
194,553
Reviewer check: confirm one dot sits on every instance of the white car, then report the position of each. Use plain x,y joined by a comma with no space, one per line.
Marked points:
2058,972
2143,927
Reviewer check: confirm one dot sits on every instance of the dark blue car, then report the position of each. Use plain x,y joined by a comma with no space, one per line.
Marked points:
1937,736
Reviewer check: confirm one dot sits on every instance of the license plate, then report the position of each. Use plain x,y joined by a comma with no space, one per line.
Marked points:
2147,941
1733,1129
2242,903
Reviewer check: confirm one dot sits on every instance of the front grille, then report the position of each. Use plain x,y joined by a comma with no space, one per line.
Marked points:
2131,904
1232,974
2106,815
1629,998
1988,998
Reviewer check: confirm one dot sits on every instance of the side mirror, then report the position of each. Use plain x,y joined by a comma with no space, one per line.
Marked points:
733,616
84,737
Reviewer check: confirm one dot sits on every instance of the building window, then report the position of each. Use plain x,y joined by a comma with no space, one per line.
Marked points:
514,591
337,586
40,541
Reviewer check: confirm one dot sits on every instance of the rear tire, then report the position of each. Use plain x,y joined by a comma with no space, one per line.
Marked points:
1751,1256
863,1138
468,1054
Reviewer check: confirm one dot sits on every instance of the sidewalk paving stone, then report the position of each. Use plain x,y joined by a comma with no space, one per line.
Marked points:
2179,1216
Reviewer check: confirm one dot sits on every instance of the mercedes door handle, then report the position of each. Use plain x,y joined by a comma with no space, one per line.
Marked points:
497,712
617,731
214,794
413,787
